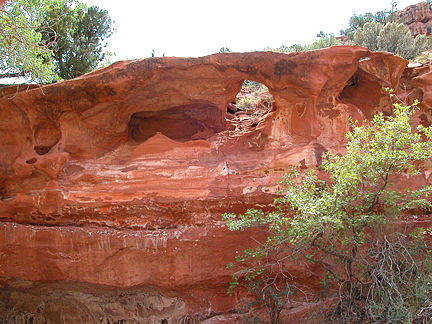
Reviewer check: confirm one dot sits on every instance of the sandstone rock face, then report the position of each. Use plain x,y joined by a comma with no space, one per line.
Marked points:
113,184
418,18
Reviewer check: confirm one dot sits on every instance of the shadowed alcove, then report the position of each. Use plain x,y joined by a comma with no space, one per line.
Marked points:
181,123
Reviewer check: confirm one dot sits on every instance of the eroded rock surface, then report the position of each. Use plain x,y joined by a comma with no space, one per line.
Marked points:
117,180
418,18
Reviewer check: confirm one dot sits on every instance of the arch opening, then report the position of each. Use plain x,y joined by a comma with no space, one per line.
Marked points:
252,102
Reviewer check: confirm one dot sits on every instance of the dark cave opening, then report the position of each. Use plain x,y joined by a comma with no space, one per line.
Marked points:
181,123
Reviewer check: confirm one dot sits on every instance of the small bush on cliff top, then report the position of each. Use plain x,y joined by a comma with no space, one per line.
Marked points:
345,221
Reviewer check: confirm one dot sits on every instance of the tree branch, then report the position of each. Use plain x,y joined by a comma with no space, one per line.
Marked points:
12,75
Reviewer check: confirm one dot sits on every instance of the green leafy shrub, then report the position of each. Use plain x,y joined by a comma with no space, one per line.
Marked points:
247,102
345,219
392,37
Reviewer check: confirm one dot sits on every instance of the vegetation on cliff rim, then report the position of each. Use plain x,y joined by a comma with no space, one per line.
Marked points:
381,31
22,53
392,37
75,33
343,224
44,40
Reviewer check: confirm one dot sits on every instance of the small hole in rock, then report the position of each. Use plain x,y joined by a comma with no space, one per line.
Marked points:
31,161
232,108
254,97
252,103
42,150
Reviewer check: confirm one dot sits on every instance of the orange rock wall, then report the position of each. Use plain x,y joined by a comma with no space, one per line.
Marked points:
418,18
115,181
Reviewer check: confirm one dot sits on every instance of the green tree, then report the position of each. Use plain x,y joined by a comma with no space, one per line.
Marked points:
368,35
339,219
392,37
76,36
358,21
21,50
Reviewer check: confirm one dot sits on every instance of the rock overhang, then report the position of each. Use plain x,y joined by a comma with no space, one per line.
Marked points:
154,133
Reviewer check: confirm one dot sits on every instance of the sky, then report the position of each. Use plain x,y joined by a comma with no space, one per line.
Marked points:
192,28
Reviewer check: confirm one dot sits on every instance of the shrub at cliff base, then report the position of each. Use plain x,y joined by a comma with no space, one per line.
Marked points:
349,226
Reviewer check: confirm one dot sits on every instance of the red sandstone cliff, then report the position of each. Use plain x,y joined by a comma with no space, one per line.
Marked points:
113,184
418,18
